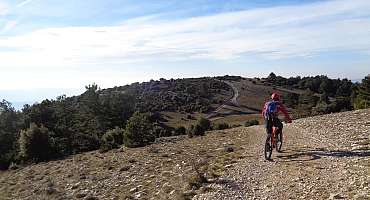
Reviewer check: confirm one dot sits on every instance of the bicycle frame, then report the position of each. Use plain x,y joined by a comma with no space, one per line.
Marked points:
271,143
273,135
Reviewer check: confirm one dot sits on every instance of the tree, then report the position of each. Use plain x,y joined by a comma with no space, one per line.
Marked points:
271,76
138,131
322,106
344,89
112,139
306,102
326,87
362,99
35,144
9,129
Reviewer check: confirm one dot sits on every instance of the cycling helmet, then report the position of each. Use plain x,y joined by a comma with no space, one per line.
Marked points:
275,96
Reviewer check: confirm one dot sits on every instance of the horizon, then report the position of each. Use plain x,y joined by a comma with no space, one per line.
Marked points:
18,98
49,48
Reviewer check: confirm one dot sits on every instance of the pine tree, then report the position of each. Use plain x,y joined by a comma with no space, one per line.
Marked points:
363,94
35,143
139,131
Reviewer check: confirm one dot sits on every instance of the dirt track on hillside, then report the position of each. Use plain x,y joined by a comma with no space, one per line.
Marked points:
233,101
325,157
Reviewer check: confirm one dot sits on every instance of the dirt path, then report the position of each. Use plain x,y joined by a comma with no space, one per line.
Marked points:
232,101
324,158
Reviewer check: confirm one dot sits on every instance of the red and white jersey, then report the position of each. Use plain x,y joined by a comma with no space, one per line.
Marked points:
279,108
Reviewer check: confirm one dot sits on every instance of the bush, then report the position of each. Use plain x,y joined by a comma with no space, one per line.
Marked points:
251,122
138,131
180,130
13,166
196,130
112,139
190,131
159,131
204,124
6,160
221,126
200,127
35,144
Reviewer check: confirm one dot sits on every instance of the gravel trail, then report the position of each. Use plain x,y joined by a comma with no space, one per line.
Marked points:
324,157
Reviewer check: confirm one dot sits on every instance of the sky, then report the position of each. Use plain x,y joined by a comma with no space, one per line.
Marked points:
54,47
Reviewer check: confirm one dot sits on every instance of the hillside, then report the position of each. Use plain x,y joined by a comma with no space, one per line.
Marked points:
101,118
323,157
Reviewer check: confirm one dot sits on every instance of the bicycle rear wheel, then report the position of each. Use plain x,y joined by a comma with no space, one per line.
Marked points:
279,142
268,148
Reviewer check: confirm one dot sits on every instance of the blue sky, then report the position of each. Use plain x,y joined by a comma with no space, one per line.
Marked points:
52,47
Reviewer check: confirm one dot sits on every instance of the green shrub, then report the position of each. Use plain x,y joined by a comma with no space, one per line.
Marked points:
204,123
13,166
35,143
138,131
112,139
180,130
196,130
221,126
251,122
199,128
158,131
6,160
190,131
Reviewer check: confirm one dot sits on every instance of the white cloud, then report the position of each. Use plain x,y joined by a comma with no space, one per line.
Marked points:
23,3
4,8
8,26
273,33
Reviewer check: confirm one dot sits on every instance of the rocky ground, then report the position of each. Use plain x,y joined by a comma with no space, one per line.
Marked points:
324,157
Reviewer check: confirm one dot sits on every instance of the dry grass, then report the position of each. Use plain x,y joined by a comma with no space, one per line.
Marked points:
238,119
161,171
175,119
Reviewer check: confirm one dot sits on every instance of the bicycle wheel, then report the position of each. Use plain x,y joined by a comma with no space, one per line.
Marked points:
279,142
268,148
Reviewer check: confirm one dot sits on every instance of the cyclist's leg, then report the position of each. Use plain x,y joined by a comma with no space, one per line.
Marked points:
279,125
268,126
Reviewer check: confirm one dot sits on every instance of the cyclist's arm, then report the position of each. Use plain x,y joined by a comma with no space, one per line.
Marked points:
263,111
282,109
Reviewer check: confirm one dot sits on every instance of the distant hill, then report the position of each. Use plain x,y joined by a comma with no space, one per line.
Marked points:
109,117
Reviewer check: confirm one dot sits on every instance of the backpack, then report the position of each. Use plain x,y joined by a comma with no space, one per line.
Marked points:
271,107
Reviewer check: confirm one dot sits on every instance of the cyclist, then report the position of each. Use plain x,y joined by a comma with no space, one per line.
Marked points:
271,111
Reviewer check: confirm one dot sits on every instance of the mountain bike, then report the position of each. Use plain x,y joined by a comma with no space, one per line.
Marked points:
273,140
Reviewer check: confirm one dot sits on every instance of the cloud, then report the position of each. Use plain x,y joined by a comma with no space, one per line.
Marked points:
4,8
272,33
8,26
23,3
